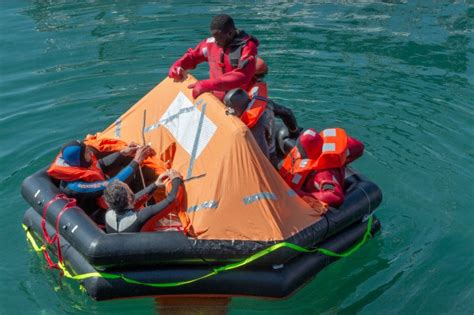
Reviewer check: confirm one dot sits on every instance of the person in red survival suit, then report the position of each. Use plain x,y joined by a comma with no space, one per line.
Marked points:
315,167
230,53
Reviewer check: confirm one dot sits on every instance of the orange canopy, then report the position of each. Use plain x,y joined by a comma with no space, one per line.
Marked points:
233,191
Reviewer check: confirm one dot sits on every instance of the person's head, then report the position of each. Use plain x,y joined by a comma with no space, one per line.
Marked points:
238,100
311,142
77,153
223,29
118,196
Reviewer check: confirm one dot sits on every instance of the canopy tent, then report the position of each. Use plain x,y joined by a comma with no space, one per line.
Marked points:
233,191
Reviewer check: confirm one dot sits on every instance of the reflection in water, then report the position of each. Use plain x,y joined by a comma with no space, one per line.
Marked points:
191,306
371,296
398,75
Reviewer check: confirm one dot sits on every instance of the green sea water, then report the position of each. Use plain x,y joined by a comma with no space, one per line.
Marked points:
399,75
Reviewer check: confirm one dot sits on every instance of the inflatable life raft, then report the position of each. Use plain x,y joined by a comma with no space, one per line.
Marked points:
254,239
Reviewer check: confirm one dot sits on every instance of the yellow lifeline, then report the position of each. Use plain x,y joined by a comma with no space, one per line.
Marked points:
215,271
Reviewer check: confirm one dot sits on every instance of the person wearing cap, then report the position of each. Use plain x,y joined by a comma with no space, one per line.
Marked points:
122,215
230,53
84,177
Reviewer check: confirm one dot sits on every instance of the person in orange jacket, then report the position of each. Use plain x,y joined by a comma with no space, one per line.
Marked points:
315,167
84,177
230,53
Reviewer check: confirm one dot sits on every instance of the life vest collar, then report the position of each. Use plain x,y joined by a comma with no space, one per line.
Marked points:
235,47
257,105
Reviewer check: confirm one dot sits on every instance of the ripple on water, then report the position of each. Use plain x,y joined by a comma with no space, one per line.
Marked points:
397,75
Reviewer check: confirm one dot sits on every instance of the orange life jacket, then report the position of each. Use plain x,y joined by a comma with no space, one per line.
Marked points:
258,103
59,169
157,164
105,144
313,151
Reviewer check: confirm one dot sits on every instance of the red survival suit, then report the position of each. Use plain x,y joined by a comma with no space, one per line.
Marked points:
315,167
229,68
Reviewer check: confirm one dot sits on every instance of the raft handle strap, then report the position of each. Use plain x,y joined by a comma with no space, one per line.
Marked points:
48,240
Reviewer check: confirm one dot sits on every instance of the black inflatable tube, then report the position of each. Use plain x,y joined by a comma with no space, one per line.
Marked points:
107,250
259,281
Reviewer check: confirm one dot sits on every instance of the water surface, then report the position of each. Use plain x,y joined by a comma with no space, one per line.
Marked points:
399,76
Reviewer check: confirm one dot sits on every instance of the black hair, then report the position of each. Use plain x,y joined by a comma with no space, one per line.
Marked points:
116,196
223,23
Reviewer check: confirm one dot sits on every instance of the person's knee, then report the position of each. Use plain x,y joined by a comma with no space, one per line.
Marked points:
258,132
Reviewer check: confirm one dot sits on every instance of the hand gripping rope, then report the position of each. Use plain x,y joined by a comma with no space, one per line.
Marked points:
215,270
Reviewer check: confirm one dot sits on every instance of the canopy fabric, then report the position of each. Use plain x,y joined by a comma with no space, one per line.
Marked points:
233,191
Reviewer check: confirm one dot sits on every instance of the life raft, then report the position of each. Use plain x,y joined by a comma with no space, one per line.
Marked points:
160,263
214,261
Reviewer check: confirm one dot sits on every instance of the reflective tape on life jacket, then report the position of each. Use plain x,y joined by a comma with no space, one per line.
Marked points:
334,150
59,169
258,103
314,152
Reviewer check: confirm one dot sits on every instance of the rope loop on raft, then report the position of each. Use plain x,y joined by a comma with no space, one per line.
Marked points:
48,240
79,277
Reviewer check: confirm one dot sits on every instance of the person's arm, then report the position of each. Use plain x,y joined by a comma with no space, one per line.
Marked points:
99,186
95,187
356,149
112,160
144,195
146,213
118,159
288,118
240,76
189,60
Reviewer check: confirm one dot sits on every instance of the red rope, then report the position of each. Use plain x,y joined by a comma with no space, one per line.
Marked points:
55,238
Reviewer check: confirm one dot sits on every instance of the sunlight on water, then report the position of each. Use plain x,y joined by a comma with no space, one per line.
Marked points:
399,75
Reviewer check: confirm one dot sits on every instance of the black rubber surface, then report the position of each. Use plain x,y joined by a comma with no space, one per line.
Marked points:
164,248
275,281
